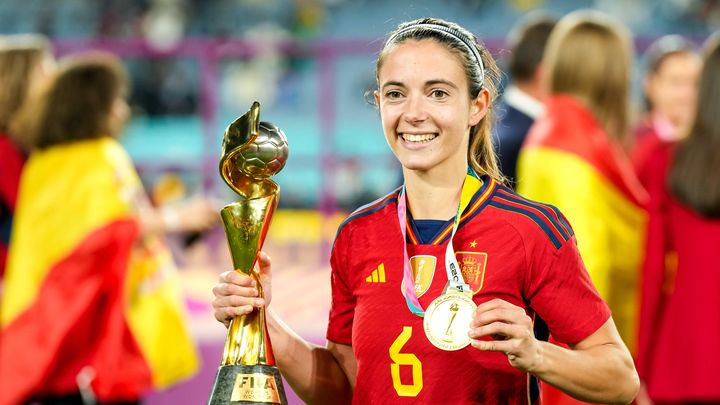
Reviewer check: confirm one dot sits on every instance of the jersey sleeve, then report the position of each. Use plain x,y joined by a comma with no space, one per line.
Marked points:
560,291
342,308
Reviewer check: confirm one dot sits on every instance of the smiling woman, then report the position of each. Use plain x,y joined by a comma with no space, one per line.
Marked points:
436,286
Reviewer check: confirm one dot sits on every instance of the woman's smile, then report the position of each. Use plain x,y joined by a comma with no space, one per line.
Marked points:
417,140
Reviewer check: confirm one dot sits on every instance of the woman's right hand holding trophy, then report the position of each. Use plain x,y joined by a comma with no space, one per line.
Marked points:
237,294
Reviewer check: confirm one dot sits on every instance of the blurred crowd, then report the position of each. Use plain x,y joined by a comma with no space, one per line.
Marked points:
87,276
89,285
641,191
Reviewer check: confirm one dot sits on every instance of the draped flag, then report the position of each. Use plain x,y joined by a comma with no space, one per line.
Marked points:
89,301
570,162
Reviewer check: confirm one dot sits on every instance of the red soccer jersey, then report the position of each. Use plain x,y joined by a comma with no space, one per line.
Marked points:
508,247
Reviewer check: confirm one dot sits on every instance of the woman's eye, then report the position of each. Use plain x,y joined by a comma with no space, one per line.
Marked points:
439,93
393,94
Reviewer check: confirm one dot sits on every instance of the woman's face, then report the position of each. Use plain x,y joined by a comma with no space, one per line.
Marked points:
41,72
673,88
119,115
425,106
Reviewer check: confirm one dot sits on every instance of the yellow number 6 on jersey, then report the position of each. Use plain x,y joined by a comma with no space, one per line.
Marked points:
405,359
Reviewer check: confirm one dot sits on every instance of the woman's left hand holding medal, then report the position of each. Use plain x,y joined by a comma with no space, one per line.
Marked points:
510,330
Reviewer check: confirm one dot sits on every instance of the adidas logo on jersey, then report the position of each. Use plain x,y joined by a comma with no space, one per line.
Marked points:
377,275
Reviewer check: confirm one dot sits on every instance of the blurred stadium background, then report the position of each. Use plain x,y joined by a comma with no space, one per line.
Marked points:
197,64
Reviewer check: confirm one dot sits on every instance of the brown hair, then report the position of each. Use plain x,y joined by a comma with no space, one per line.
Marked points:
20,56
589,56
76,104
527,42
694,177
481,154
664,47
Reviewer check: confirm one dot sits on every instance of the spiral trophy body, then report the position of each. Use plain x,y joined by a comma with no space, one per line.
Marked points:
252,151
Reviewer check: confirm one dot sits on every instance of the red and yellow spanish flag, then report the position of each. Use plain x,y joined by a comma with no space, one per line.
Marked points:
569,161
88,299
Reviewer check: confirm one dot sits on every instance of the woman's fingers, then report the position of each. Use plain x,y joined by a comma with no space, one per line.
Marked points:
230,306
498,330
264,265
238,278
225,314
225,289
235,294
510,331
238,301
504,346
264,261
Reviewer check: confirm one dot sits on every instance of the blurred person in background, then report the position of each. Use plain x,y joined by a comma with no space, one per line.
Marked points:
92,308
436,83
25,60
574,158
670,89
522,100
679,324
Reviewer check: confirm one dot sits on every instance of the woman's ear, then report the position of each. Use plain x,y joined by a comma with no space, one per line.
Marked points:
377,99
479,107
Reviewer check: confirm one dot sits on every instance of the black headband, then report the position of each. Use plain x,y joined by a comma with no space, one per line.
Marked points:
449,31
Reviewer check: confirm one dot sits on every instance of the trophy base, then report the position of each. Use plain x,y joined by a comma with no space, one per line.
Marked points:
239,384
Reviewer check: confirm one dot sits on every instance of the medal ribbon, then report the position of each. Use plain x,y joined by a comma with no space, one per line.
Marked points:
471,185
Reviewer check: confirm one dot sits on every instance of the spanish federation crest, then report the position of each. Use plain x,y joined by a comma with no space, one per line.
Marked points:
472,266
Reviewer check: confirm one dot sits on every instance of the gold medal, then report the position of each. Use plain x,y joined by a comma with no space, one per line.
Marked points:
447,321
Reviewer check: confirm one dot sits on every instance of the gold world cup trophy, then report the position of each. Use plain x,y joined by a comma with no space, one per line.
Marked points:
252,151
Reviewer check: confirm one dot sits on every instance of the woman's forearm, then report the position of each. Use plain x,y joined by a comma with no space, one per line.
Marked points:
602,373
312,371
